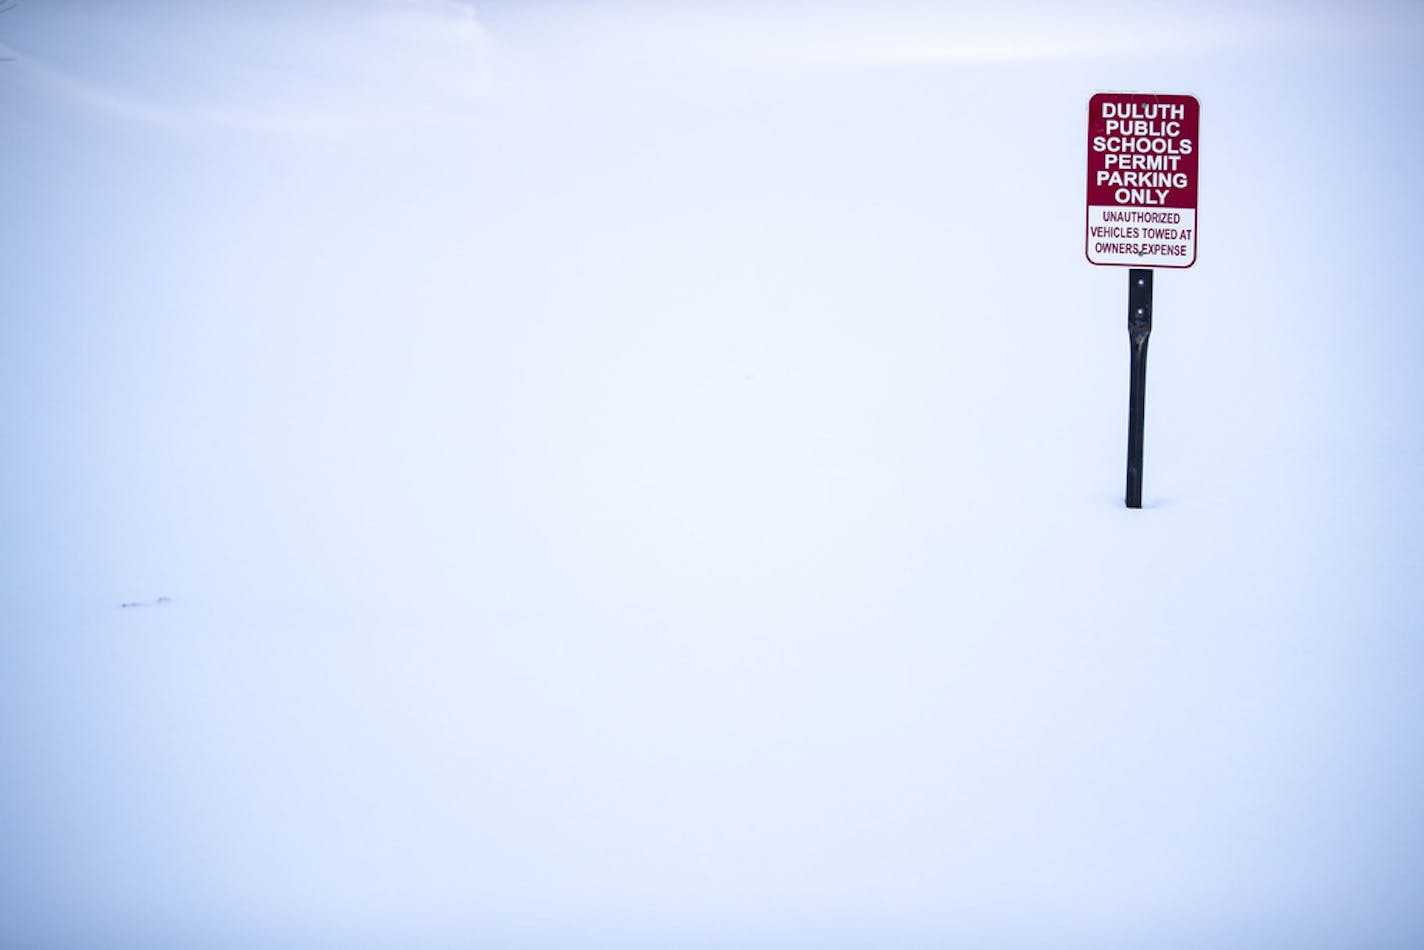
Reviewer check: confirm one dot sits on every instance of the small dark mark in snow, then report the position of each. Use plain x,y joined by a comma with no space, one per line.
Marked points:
159,602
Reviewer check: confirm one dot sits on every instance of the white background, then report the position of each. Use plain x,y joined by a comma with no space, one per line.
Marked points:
1117,231
650,475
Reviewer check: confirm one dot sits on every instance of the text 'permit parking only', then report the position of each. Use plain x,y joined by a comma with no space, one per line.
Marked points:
1142,180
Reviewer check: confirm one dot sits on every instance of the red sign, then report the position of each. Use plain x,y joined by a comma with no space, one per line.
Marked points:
1142,179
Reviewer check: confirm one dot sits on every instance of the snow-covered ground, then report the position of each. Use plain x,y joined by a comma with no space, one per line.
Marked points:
649,475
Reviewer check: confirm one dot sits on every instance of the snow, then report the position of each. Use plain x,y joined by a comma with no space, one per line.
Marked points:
639,476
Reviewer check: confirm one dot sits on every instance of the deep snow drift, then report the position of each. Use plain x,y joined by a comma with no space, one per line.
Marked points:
624,475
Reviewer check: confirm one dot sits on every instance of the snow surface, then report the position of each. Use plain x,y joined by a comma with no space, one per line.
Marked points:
629,475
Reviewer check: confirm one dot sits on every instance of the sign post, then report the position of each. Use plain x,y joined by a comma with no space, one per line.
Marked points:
1142,213
1139,328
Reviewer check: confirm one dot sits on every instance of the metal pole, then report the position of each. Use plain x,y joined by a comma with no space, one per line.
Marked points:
1139,328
